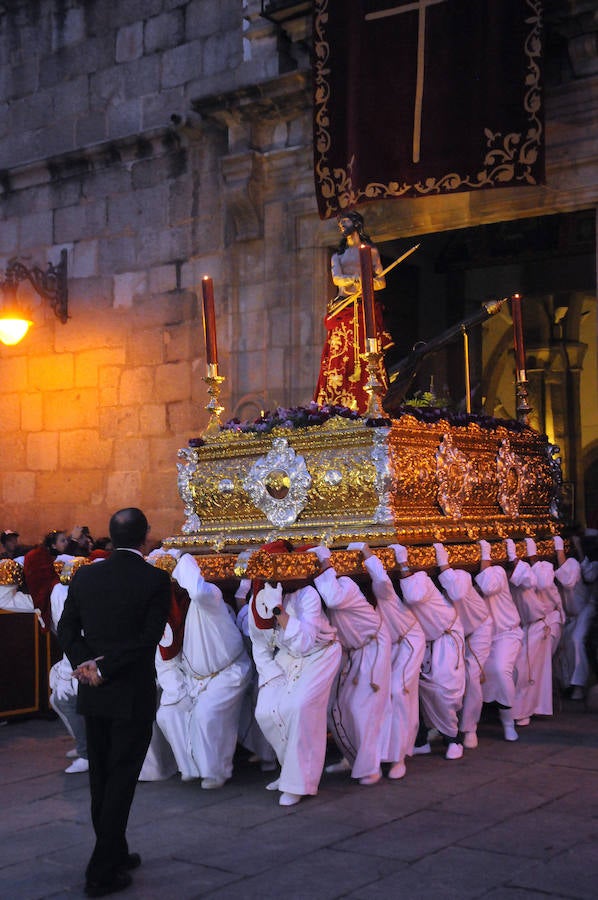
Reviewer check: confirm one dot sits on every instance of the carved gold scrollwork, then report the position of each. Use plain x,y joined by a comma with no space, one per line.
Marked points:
278,483
511,475
455,476
185,472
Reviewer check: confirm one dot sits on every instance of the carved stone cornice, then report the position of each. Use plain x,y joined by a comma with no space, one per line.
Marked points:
278,99
251,115
93,158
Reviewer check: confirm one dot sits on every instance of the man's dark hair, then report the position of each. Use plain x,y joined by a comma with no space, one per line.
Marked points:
128,528
6,535
357,220
50,539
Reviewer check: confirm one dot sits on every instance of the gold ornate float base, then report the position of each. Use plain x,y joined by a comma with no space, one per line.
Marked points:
410,482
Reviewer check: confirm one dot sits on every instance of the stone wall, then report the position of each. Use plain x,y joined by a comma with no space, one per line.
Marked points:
103,152
157,141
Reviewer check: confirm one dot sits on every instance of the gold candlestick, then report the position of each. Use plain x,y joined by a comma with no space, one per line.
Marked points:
213,381
373,386
523,407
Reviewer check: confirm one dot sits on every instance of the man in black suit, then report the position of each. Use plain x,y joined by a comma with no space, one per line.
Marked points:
113,618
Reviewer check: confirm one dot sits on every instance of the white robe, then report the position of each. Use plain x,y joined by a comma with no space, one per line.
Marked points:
442,679
533,688
408,644
360,712
159,763
499,671
63,687
14,600
549,593
296,668
251,735
477,627
203,687
571,661
61,678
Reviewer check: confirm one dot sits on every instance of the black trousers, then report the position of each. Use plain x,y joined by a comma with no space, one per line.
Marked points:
116,750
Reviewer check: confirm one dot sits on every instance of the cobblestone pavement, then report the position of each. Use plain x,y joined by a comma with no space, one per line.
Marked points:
507,821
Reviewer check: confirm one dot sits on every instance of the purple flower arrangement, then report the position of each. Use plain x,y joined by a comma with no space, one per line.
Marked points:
313,414
295,417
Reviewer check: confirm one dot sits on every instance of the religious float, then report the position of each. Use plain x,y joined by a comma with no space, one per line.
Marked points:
413,479
393,474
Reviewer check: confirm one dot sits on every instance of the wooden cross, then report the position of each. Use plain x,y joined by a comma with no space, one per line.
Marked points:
420,6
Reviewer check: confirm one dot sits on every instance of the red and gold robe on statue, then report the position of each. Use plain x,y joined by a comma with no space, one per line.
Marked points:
343,372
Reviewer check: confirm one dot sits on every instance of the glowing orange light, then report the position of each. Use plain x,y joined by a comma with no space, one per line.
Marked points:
13,330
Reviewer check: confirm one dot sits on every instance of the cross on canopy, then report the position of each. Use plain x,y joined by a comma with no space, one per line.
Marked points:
420,6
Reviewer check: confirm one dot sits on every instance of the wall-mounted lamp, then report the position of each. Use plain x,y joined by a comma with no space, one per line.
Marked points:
50,284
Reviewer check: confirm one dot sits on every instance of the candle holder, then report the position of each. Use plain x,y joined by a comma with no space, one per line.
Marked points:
214,382
523,407
373,386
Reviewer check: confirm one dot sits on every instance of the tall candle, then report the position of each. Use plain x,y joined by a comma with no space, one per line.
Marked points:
367,289
518,337
209,320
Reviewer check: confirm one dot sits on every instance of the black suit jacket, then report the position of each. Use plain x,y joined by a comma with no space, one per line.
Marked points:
116,609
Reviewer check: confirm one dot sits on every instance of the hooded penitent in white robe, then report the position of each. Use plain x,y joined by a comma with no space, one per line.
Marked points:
533,688
477,628
442,680
296,668
360,711
203,686
61,678
548,590
408,644
63,697
571,661
499,683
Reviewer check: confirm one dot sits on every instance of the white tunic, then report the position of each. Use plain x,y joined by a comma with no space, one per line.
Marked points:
407,653
203,687
533,688
442,680
549,593
14,600
571,661
360,712
499,683
296,668
251,735
477,626
61,678
159,763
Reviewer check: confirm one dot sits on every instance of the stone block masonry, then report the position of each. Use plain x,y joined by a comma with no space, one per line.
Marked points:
103,154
